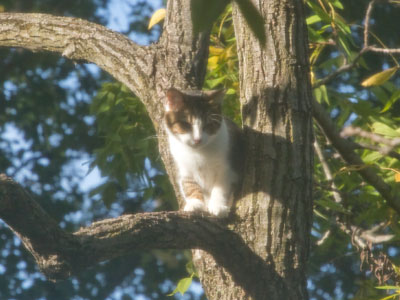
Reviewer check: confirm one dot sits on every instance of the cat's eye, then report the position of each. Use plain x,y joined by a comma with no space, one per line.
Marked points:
185,125
211,126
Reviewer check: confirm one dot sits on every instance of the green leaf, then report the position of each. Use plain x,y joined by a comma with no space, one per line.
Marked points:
320,12
395,96
332,205
388,287
315,36
372,157
343,26
394,296
191,269
316,53
321,94
105,106
337,4
383,129
231,92
344,43
212,83
396,270
313,19
321,215
182,286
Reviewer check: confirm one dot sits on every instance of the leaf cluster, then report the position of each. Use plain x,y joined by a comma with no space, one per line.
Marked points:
129,154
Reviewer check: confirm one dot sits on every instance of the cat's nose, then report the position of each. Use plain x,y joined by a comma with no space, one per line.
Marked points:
197,141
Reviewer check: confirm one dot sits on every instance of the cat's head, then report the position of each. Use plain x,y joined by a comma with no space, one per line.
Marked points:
194,118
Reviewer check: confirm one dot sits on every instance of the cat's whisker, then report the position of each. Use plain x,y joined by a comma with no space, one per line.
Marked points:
216,120
156,136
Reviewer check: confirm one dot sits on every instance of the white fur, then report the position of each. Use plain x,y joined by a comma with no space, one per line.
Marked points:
193,204
208,165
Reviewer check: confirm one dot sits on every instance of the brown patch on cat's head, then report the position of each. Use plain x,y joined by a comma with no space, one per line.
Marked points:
182,108
174,100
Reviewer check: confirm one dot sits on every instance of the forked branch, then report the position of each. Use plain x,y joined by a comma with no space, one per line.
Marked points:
365,48
60,254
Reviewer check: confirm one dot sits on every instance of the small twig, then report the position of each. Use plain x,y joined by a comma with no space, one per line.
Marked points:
346,150
327,172
341,70
384,50
366,22
328,187
377,138
366,48
383,151
359,236
323,238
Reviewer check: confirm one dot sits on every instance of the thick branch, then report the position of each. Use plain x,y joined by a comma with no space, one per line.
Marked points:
60,254
78,39
147,71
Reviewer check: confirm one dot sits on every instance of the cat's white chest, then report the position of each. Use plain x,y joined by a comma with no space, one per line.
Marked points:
205,165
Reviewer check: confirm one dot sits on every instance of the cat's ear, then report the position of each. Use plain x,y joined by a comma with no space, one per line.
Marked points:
215,96
174,100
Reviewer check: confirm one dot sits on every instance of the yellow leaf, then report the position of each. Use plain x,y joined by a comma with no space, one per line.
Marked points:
397,177
215,51
212,62
230,51
2,8
312,76
157,17
379,78
315,54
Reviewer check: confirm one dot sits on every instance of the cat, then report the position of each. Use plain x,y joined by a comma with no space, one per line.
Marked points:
207,149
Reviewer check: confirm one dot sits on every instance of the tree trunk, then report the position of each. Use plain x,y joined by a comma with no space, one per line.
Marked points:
274,213
264,252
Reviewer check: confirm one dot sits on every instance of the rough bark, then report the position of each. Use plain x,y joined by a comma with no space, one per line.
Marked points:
275,212
261,252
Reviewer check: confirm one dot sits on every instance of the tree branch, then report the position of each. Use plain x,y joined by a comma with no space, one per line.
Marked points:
341,70
346,150
366,22
366,48
60,254
79,40
147,71
390,144
360,237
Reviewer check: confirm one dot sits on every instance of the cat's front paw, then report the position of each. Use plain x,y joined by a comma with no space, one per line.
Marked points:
193,204
218,209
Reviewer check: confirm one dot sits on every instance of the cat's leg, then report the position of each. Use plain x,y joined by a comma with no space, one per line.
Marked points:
221,196
222,192
193,195
220,201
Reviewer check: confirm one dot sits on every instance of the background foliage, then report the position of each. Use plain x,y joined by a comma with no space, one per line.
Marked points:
57,119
